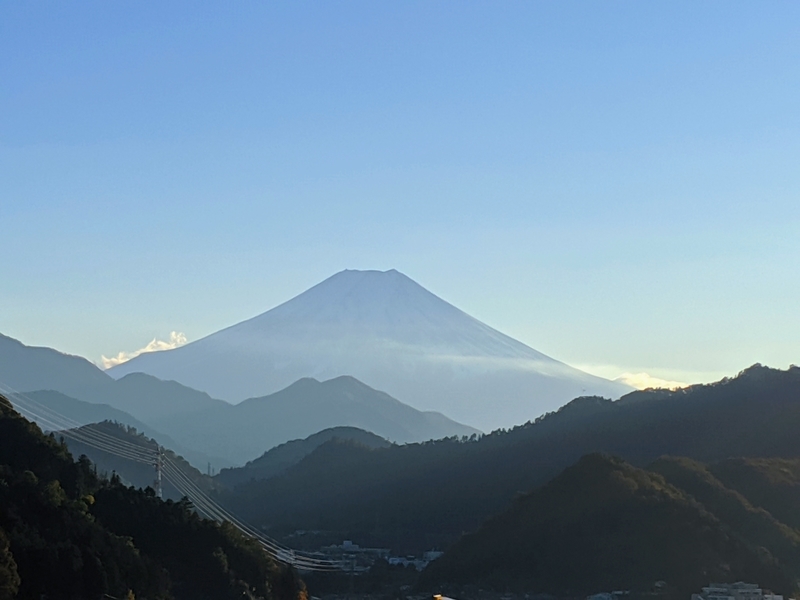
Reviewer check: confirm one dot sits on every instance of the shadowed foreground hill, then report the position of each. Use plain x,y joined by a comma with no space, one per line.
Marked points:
66,534
750,523
601,525
416,496
132,472
278,459
773,484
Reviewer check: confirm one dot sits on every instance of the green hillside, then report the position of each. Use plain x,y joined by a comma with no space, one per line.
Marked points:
752,525
773,484
132,472
417,496
276,460
603,524
64,533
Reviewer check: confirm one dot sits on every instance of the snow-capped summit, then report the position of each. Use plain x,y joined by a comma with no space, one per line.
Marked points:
389,332
382,308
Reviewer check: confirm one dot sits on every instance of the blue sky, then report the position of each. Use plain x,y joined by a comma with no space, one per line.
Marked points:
616,184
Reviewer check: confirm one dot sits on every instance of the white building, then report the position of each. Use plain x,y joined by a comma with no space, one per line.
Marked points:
735,591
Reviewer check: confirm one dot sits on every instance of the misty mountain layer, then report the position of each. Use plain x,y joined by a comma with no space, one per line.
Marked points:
196,425
389,332
244,431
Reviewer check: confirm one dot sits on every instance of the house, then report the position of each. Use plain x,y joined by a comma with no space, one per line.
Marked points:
735,591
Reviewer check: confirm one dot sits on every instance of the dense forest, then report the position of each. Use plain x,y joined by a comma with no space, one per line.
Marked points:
131,472
283,456
706,486
66,533
417,496
605,525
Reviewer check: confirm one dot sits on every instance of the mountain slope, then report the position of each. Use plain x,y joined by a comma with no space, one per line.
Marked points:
154,399
245,430
28,368
389,332
281,457
76,411
54,411
770,483
64,533
133,472
604,525
205,429
752,525
378,493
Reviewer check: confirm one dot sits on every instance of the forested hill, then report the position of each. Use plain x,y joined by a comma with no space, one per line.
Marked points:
278,459
64,533
605,525
416,496
132,472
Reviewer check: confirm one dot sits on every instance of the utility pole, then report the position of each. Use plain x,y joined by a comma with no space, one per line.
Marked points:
352,575
158,464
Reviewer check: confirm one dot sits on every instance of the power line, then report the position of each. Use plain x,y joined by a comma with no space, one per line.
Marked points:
65,425
171,471
211,506
83,436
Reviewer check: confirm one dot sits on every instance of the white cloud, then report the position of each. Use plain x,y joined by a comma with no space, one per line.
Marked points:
643,381
175,339
639,376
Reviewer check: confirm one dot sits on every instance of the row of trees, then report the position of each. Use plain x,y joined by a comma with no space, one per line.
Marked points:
65,533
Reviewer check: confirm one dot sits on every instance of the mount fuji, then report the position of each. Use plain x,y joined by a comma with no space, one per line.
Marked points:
389,332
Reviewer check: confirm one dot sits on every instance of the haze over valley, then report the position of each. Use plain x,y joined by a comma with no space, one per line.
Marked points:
399,301
324,460
389,332
280,428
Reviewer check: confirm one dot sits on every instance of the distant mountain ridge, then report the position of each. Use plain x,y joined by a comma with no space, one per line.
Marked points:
308,406
389,332
374,494
80,413
204,428
29,368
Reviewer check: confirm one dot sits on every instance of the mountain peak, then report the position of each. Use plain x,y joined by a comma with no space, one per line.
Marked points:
390,333
367,275
369,272
360,288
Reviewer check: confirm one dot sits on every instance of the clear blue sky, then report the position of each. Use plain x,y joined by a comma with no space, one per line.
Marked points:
616,184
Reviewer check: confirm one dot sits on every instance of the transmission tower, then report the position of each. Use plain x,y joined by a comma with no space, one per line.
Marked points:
158,465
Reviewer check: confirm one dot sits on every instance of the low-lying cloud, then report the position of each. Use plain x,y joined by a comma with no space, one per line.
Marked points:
176,339
643,381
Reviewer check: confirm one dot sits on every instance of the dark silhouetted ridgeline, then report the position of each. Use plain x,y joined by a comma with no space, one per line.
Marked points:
416,496
605,525
278,459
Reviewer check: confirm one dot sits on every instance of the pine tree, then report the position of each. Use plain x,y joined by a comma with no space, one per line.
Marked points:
9,578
